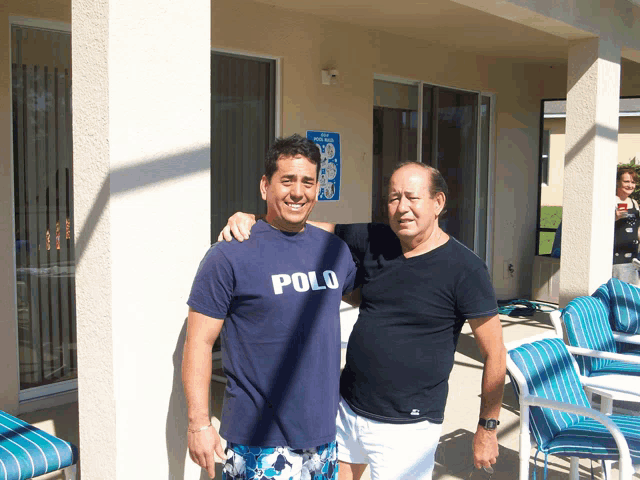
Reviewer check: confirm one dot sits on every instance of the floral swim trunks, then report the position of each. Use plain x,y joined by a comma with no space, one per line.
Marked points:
280,463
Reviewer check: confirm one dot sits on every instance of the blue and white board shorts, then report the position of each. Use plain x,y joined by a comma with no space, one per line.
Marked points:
280,463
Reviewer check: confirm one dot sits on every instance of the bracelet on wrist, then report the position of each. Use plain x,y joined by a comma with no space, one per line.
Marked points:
201,429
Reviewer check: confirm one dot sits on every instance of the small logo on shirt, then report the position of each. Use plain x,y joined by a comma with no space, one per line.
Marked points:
415,411
301,282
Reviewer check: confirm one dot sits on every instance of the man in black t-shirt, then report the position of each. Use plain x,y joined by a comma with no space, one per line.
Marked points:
419,286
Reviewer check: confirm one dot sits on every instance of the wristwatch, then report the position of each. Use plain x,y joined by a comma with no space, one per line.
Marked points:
489,423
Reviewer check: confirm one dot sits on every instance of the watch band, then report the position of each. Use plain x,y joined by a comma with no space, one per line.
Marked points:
489,423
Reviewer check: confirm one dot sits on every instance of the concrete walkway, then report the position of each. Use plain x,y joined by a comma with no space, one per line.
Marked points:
454,456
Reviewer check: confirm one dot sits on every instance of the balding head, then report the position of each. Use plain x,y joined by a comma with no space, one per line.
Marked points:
416,199
435,180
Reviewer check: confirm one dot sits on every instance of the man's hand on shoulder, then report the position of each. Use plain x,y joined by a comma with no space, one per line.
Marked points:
485,447
203,444
238,226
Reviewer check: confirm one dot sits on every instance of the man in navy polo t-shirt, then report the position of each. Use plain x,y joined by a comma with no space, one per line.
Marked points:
275,301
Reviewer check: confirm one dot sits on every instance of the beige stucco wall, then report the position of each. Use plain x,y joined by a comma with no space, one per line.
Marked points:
629,140
142,186
628,149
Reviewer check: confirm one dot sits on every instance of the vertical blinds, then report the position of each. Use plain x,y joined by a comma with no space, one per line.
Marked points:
43,203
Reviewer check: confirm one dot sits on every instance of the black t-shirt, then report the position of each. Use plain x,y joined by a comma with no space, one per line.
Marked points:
401,350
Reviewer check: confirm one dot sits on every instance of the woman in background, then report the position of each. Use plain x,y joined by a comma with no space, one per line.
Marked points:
625,242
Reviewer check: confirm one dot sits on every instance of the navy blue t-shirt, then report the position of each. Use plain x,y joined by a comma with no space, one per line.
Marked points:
402,347
279,294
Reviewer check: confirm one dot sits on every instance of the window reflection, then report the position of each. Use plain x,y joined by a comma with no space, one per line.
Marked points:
42,156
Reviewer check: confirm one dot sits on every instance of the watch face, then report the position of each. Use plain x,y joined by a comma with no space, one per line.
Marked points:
489,423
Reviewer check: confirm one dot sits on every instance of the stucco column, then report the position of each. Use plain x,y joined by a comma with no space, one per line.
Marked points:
141,131
593,91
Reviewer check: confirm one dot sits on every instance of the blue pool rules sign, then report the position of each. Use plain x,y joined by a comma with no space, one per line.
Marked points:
329,145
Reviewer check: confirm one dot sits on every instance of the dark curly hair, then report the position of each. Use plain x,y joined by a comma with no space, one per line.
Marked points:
291,147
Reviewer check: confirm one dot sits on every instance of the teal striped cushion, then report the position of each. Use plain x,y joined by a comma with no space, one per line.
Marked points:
26,451
615,367
590,439
547,367
586,320
625,306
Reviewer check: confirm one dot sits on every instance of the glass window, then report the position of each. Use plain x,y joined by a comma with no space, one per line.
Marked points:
551,170
428,133
544,157
43,205
395,137
242,129
457,134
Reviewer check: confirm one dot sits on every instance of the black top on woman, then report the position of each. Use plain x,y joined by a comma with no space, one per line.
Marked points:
625,243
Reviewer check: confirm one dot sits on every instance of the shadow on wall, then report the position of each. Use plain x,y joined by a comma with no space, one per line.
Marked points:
180,465
598,130
128,179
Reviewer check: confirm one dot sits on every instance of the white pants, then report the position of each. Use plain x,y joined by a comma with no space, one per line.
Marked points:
393,451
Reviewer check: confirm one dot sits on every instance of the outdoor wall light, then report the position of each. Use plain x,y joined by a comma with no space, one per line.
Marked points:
330,76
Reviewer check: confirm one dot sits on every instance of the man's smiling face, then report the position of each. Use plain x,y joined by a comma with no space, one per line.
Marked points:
291,193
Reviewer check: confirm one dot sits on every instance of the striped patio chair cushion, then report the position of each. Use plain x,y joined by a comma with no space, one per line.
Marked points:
624,301
616,367
27,452
549,372
604,295
586,320
590,439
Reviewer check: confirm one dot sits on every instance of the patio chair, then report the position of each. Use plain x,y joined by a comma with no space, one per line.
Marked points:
555,410
591,340
624,313
28,452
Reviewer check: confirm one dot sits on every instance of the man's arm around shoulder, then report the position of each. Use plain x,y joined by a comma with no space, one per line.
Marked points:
239,226
488,334
203,440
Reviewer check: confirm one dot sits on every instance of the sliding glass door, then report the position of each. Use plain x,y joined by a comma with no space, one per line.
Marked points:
452,134
395,134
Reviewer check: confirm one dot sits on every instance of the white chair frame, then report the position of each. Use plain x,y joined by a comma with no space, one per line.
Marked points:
605,385
527,400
